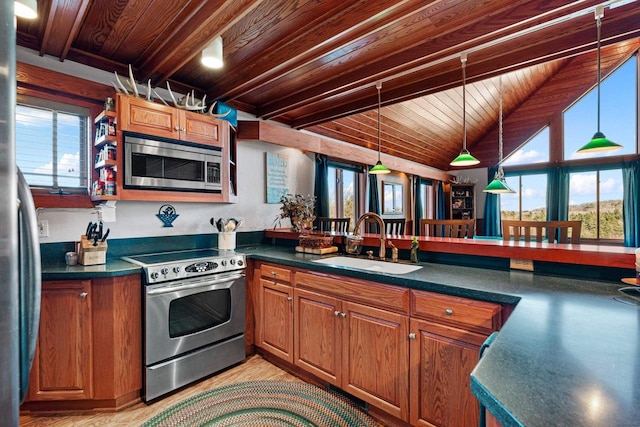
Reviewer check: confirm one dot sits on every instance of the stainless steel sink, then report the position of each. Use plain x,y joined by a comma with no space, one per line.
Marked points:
369,265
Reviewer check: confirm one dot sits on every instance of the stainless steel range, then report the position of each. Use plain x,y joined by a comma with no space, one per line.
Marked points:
194,316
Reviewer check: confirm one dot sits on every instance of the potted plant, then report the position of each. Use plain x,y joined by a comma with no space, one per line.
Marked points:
299,210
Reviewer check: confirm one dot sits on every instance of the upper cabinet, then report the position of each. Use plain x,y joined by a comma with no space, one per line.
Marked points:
143,117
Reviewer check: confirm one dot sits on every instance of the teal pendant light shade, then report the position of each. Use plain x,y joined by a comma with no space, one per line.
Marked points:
499,184
379,168
599,142
464,158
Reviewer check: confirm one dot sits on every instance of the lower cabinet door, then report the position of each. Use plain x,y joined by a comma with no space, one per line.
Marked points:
62,366
375,357
317,335
442,358
276,321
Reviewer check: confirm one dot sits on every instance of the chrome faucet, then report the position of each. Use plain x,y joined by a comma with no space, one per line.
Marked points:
380,221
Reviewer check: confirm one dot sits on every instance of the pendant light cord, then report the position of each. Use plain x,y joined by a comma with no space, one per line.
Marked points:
598,49
379,86
463,59
500,127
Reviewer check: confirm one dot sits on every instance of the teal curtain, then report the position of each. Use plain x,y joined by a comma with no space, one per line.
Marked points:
418,214
492,220
558,194
631,203
321,189
374,194
440,206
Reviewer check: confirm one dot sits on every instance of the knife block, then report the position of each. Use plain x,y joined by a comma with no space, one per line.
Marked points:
89,254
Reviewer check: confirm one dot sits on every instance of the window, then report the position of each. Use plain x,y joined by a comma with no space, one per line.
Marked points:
392,200
51,144
535,150
618,114
529,203
344,183
595,198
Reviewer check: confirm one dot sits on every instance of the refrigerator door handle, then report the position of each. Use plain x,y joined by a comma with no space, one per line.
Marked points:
30,281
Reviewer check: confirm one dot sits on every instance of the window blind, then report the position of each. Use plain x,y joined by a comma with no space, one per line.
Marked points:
52,143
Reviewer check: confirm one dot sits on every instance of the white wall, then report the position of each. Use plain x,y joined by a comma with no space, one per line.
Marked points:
138,219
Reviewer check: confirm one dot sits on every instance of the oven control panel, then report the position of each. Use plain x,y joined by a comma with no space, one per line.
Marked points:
192,268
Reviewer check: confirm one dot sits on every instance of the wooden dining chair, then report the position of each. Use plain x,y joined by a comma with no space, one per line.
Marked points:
461,228
338,225
541,231
391,225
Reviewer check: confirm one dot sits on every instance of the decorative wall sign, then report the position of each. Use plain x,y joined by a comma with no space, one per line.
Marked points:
167,215
277,167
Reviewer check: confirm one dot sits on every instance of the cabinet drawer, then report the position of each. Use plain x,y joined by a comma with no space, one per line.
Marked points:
467,313
275,273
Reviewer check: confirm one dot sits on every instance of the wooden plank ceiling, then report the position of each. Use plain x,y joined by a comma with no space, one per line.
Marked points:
314,65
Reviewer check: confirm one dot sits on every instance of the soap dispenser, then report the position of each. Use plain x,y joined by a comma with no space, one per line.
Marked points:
414,249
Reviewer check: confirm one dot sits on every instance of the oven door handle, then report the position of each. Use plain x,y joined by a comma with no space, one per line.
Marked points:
205,284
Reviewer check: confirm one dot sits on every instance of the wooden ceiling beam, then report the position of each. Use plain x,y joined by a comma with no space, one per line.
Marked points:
423,46
192,34
75,27
494,61
344,23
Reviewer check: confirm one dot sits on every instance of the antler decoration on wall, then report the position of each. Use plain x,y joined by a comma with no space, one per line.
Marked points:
184,103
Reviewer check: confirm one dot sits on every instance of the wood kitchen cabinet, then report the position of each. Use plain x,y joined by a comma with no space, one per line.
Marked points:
63,362
275,326
149,118
447,333
89,347
141,116
344,341
379,343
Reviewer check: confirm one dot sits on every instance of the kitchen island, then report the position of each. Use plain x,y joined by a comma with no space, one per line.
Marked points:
567,354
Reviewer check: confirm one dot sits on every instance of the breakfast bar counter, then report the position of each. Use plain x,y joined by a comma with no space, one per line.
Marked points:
567,355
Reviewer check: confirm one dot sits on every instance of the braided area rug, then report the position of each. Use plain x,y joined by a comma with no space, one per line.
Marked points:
264,403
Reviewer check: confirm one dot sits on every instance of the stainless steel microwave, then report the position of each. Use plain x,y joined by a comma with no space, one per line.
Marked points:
154,164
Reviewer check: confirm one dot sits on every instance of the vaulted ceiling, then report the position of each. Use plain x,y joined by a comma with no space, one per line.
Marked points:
314,64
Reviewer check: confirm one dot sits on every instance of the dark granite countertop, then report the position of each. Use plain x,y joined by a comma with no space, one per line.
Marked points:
113,268
569,354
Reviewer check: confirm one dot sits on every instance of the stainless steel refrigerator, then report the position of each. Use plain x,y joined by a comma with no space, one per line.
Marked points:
19,246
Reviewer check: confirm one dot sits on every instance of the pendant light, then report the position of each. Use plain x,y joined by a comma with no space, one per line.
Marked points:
379,168
27,9
464,158
599,142
499,184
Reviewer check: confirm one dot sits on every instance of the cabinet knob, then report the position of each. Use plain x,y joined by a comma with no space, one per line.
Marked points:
289,298
176,128
412,336
83,294
343,315
183,129
448,312
336,313
273,273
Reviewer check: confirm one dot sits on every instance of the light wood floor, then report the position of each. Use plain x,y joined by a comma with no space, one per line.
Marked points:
254,368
